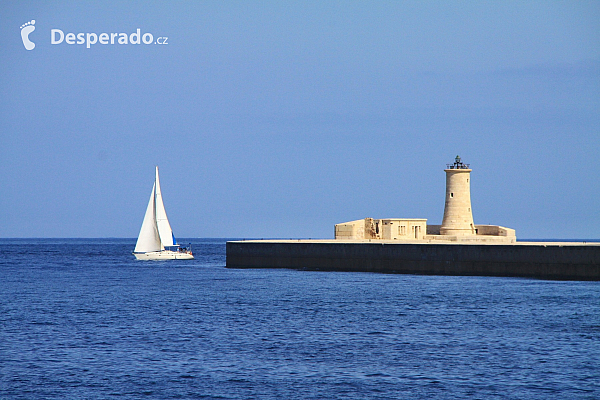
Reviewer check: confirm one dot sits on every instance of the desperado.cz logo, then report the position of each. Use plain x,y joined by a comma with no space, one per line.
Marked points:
26,29
57,36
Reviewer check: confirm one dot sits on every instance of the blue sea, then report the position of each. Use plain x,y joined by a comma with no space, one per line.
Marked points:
83,319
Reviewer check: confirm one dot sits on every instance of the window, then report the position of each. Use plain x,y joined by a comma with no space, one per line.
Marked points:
451,194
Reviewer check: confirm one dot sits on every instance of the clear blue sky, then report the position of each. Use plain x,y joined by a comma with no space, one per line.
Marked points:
280,119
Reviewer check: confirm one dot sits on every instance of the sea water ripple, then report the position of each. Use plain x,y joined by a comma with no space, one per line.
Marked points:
84,319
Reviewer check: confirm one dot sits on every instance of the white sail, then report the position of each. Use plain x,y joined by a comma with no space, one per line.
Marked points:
148,239
162,222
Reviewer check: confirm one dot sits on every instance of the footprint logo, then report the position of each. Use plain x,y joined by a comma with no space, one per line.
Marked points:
26,29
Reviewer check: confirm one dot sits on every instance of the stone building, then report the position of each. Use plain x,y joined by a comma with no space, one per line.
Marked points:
457,224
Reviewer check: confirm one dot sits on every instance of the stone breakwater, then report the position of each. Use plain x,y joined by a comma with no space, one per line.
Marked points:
541,260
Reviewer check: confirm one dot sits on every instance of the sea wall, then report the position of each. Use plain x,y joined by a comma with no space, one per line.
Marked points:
531,260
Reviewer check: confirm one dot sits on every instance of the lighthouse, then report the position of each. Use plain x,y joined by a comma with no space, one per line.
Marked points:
458,217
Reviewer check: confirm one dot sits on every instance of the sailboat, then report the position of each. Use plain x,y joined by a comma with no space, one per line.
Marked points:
156,240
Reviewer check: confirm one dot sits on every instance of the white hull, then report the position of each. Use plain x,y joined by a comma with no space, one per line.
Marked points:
164,255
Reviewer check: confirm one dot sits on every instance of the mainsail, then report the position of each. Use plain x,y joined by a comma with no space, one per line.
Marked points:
162,222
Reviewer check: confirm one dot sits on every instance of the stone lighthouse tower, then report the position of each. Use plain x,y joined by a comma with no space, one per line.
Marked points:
458,217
